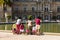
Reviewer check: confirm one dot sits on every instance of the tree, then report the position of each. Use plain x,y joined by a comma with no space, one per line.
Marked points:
8,2
1,2
5,4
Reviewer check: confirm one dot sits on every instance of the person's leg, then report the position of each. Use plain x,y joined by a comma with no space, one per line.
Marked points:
17,29
33,32
22,31
30,30
14,31
37,29
27,31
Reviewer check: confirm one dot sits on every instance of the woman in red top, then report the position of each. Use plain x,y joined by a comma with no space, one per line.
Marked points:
37,22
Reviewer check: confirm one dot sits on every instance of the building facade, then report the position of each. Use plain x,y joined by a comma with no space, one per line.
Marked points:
44,8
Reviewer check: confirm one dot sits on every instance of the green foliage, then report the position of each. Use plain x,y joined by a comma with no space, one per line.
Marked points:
9,17
30,16
2,26
1,2
8,2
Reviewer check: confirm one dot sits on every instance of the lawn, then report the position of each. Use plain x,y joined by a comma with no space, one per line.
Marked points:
45,27
50,27
9,27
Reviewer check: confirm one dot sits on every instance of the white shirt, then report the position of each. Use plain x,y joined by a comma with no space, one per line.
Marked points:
29,23
33,28
18,21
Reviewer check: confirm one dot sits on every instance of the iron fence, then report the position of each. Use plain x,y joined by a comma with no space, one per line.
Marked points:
45,26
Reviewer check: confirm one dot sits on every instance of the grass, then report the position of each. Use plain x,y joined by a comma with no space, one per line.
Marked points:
9,26
50,27
45,27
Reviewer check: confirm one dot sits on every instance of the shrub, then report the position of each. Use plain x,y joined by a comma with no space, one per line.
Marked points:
9,17
30,16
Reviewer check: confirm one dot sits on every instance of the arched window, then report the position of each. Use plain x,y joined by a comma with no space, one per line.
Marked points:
46,9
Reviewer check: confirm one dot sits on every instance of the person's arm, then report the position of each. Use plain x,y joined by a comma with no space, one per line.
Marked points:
40,20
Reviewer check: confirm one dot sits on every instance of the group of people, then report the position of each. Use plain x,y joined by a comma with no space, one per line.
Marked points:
31,28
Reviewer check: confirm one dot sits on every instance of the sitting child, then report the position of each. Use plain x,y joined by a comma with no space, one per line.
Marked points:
34,30
21,28
18,23
14,29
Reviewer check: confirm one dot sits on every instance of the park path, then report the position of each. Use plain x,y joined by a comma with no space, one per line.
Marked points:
10,36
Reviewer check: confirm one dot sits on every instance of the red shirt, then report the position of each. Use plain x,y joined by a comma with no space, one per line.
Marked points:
18,27
21,26
37,21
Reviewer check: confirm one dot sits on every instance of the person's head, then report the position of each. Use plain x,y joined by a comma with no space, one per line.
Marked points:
19,17
39,17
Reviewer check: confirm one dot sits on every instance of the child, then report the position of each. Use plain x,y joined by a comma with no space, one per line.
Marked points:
27,31
29,26
14,28
34,30
18,25
37,21
21,28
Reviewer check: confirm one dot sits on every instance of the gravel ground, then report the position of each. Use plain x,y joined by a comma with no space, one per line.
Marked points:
10,36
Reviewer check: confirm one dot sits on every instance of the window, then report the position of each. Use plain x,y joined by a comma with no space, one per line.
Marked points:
58,9
33,9
25,6
16,7
46,9
46,17
24,9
